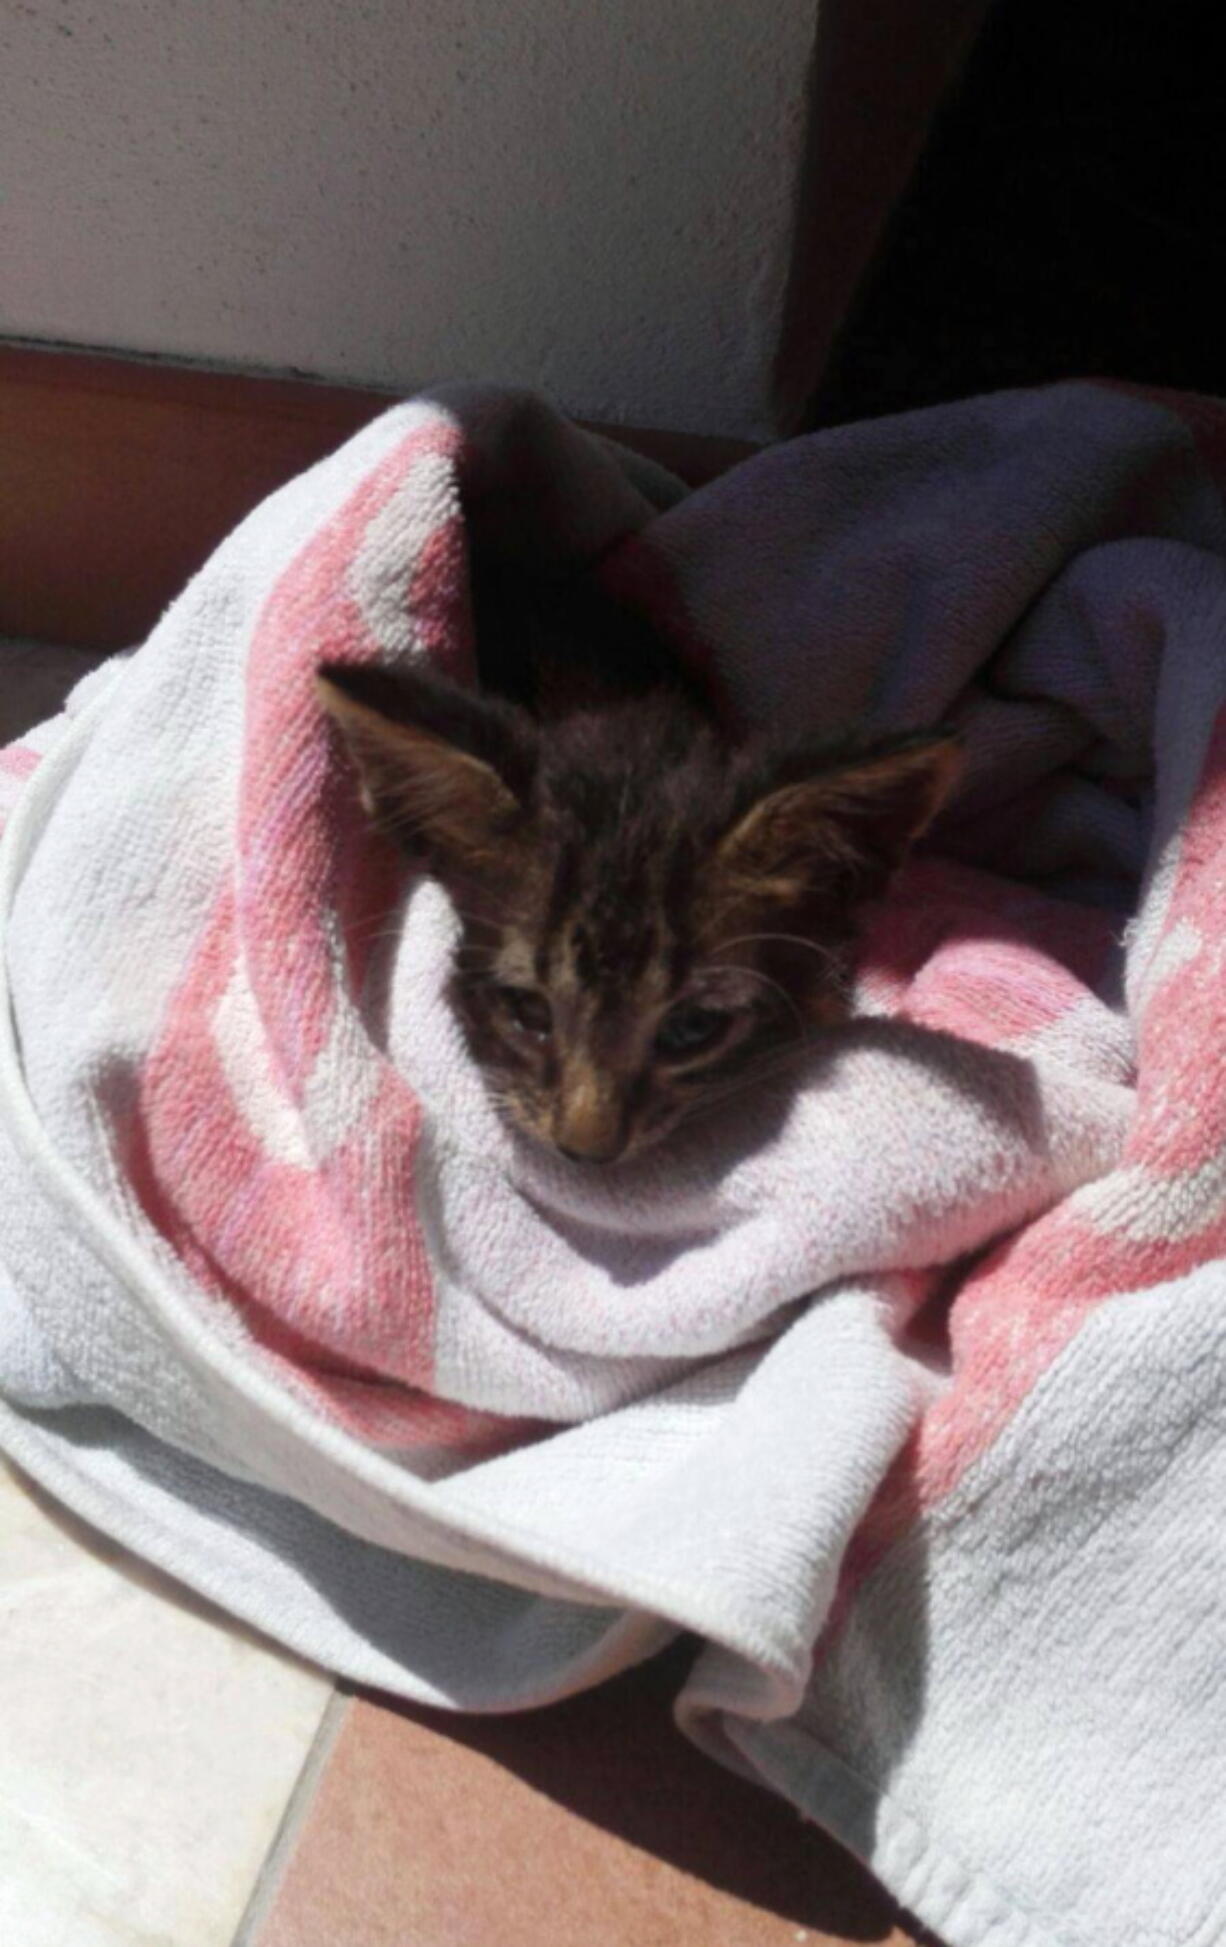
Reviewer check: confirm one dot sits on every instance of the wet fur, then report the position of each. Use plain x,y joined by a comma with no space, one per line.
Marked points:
618,861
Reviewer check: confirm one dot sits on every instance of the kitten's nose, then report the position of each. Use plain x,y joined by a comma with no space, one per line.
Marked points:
591,1147
586,1155
590,1122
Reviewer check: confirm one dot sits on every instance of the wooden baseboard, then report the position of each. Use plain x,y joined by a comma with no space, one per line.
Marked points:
117,478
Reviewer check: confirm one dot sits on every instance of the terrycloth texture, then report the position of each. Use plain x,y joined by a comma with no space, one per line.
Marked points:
284,1305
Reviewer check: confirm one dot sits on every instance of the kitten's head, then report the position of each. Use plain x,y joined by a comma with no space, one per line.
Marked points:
648,914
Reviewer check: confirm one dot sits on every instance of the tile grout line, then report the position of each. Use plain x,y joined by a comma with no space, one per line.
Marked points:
284,1841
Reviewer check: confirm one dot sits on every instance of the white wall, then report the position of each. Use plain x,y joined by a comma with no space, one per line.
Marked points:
590,197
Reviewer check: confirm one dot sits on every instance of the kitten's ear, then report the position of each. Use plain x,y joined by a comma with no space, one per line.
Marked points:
443,770
852,820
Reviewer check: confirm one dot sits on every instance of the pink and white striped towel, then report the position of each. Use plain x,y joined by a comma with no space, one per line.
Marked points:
904,1390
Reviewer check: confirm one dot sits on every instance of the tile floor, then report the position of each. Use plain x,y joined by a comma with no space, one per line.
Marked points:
590,1823
169,1780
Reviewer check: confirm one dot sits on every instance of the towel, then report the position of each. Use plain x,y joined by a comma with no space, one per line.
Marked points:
901,1387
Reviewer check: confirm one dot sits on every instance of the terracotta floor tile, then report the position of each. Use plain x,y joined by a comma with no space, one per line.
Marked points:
592,1824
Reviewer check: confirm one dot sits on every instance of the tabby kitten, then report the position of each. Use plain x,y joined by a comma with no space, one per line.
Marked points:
651,910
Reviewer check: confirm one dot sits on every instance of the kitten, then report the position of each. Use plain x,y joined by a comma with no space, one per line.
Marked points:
651,910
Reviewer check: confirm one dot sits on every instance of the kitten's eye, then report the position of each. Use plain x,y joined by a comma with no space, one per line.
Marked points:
690,1028
530,1011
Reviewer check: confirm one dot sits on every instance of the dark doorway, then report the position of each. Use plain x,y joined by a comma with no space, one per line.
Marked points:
1067,217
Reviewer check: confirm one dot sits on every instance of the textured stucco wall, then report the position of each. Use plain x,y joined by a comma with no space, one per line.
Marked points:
592,199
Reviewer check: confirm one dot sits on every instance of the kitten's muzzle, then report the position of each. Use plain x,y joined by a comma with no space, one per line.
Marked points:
590,1123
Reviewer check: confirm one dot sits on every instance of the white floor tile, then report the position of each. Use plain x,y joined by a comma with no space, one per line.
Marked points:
147,1747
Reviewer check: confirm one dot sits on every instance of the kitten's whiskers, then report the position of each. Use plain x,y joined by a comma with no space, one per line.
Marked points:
824,953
